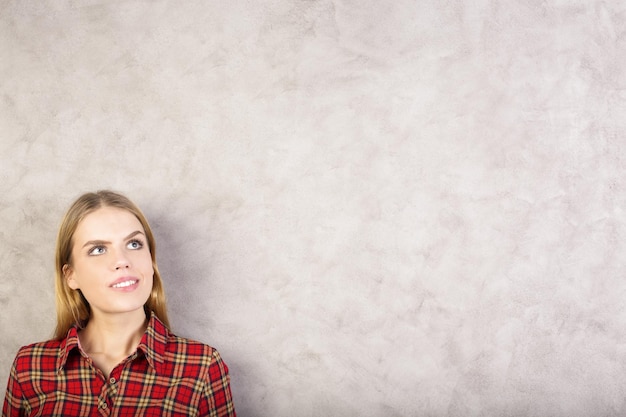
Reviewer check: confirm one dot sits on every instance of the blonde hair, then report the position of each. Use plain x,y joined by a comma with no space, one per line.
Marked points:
72,307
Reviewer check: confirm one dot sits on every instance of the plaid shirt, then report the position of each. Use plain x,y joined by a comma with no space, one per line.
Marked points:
166,376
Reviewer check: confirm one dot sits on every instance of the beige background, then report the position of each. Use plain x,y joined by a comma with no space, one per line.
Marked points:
371,208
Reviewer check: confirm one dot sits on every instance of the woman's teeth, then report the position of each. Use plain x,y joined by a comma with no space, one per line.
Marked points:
124,284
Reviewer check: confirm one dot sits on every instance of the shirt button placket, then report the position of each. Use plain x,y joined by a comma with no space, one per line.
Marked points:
104,409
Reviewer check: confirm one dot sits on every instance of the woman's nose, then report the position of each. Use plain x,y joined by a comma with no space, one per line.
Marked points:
122,262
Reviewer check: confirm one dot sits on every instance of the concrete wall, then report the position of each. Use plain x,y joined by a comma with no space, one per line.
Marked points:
371,208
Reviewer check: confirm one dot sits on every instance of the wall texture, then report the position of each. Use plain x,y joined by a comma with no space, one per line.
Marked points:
371,208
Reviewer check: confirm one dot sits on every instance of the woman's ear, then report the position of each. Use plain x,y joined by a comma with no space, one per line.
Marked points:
68,274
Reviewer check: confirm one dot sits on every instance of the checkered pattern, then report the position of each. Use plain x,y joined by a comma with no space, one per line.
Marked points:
166,376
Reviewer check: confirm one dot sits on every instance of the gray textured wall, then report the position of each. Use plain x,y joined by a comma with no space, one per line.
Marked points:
372,208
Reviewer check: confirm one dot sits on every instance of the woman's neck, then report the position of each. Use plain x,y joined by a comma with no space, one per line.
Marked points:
115,335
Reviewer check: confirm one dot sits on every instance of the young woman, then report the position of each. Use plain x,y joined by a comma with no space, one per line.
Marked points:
113,352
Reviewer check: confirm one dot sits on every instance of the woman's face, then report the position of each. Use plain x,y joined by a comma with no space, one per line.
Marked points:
111,262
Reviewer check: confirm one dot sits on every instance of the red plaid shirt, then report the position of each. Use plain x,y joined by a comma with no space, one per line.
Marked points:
166,376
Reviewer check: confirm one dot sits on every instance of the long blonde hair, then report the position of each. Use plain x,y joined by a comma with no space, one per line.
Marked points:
72,307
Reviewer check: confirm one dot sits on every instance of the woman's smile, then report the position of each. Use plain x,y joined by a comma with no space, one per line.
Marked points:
125,283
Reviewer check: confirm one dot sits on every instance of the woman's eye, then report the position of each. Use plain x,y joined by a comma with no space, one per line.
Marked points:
135,244
97,250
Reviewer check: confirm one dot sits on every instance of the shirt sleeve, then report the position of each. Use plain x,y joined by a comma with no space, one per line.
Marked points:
217,399
13,398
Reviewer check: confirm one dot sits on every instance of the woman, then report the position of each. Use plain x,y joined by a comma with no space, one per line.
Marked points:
113,353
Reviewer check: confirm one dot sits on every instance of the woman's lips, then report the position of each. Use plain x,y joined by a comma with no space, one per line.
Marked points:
125,284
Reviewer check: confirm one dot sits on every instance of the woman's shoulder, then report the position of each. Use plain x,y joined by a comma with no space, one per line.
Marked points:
191,359
189,347
41,355
182,355
39,348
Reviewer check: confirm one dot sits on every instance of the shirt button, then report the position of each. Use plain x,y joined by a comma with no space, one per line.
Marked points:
112,381
104,405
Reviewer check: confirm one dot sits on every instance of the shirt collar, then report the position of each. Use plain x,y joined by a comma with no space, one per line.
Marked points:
152,344
67,345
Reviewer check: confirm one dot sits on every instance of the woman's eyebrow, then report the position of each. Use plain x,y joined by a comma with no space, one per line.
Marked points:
95,243
104,242
135,233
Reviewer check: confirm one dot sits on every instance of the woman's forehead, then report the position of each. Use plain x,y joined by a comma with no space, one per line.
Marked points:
108,221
